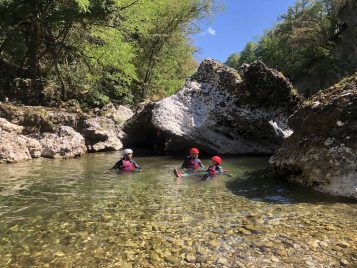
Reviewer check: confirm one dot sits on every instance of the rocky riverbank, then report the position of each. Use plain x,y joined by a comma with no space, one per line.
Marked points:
220,110
34,131
322,152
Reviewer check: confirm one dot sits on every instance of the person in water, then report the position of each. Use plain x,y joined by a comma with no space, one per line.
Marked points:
191,163
214,169
127,163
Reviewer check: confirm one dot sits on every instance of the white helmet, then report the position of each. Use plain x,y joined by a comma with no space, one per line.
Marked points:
128,151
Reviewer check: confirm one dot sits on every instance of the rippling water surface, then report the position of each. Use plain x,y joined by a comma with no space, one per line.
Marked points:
72,213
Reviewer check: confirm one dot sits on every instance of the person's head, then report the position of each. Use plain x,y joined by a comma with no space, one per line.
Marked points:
194,152
128,153
216,160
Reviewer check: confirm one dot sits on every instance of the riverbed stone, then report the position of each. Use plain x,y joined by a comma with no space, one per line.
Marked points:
222,261
343,244
172,260
190,258
244,231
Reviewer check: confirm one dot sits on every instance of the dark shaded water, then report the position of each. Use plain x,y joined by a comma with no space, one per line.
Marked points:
70,213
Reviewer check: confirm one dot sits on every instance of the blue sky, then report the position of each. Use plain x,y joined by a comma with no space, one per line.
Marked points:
241,21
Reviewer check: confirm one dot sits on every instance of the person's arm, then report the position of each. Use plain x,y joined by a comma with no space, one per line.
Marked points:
135,164
117,165
219,170
209,174
200,163
184,163
206,176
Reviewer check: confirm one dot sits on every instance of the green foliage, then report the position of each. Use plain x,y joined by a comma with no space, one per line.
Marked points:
233,61
96,51
83,4
305,36
248,53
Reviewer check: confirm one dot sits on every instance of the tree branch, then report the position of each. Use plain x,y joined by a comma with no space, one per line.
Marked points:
129,5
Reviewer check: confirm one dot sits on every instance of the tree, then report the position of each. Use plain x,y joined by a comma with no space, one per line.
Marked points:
96,50
166,43
234,61
248,53
305,35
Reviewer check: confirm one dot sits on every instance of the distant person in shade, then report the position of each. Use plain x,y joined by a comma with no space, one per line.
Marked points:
127,163
191,163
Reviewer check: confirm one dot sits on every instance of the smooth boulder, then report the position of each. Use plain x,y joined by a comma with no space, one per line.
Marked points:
322,152
221,111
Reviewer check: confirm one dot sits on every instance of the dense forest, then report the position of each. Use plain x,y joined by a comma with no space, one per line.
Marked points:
310,42
127,51
95,51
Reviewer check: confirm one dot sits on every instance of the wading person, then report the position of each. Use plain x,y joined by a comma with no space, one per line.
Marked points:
127,163
214,169
190,164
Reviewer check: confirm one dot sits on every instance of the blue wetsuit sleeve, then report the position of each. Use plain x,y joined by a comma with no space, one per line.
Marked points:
135,164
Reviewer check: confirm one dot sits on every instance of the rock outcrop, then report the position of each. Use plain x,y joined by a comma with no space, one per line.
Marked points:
322,152
38,119
220,110
118,113
32,131
14,146
66,143
101,134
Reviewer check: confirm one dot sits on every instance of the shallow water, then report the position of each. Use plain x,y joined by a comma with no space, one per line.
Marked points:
70,213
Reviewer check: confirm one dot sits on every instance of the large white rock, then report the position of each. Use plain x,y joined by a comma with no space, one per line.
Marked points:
221,111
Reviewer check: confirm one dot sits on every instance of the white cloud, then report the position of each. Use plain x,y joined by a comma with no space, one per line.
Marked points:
211,31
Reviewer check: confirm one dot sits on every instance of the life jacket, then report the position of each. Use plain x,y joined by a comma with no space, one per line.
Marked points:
191,163
212,170
127,166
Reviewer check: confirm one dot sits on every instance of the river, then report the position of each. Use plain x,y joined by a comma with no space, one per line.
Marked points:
77,213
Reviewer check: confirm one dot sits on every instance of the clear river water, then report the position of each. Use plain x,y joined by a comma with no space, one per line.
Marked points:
77,213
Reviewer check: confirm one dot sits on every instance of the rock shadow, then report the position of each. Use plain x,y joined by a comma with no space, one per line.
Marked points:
265,186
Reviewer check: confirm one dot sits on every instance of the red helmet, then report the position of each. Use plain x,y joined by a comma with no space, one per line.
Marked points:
217,159
194,151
